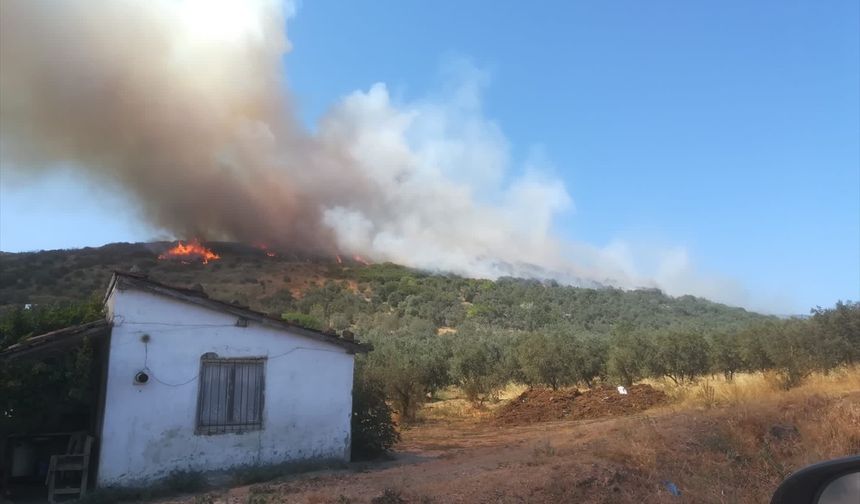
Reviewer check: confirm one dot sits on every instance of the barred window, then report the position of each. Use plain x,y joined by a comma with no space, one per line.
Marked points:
230,397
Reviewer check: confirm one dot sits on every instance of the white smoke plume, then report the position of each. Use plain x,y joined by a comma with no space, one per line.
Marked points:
184,105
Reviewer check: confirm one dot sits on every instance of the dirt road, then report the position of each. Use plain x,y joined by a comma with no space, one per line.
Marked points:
721,455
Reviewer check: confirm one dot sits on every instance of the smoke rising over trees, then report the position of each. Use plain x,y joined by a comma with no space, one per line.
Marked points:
184,107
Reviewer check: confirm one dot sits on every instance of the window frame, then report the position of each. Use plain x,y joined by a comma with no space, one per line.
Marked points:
226,427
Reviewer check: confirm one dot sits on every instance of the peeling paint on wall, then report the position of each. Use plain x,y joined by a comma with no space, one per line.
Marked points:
149,430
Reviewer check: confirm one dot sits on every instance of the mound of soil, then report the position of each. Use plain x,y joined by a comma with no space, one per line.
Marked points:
542,405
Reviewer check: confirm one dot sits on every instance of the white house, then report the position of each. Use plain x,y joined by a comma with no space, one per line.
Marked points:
194,384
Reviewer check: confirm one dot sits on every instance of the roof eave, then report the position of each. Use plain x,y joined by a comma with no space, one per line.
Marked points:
55,341
122,280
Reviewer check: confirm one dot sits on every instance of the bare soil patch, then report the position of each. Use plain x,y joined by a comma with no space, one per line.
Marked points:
736,453
543,405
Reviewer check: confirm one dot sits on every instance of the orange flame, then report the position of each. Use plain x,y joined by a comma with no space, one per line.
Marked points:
192,250
265,248
360,259
339,260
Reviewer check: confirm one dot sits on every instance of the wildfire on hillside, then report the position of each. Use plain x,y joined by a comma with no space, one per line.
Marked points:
189,251
265,248
357,258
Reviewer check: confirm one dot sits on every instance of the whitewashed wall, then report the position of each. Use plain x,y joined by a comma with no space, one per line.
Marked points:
149,429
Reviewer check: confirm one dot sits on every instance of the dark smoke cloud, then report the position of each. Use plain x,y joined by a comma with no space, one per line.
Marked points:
183,105
190,122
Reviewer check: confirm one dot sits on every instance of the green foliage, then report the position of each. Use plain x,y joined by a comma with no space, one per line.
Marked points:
726,354
40,396
794,352
443,300
590,364
432,330
753,343
679,355
303,320
373,430
385,272
547,359
628,355
412,362
837,331
478,366
19,321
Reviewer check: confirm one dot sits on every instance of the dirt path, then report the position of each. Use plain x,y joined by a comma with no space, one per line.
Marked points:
463,462
616,460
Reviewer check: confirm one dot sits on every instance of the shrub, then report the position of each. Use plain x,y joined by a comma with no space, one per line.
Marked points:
477,366
411,364
678,355
546,359
627,355
373,430
303,319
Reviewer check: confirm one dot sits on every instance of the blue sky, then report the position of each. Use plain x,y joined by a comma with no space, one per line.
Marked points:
731,129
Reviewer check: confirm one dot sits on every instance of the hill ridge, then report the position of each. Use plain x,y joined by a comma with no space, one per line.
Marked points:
337,290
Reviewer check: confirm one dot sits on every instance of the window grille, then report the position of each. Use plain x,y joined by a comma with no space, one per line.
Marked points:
230,397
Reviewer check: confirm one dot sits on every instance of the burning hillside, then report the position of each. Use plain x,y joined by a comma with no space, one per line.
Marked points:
191,251
272,284
203,137
183,105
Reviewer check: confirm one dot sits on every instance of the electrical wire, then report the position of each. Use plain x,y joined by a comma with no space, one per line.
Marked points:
174,384
195,377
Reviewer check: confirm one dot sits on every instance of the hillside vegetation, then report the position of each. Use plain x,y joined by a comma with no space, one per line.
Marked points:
448,350
336,293
431,331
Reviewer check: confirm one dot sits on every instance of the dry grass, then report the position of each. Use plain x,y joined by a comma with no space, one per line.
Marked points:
740,453
747,388
451,405
719,442
732,454
735,441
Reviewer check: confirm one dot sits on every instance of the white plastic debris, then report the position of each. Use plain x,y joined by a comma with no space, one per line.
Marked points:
622,390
